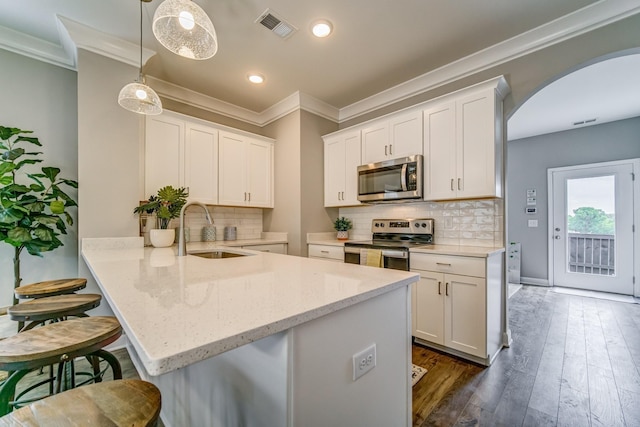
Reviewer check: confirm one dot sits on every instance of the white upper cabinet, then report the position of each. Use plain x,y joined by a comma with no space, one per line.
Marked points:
245,171
392,138
216,164
201,158
463,147
341,161
164,153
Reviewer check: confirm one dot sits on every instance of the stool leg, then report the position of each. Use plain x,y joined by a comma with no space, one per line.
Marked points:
8,390
112,361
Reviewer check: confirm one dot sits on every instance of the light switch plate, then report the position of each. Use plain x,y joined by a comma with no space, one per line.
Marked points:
533,223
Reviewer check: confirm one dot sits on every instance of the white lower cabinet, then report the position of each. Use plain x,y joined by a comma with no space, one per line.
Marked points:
457,304
326,252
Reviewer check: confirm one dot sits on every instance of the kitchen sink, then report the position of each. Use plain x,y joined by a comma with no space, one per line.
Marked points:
218,254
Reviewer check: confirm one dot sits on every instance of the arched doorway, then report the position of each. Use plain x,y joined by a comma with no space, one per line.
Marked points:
554,127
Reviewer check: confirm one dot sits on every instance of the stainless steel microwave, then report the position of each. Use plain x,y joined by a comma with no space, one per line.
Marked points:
391,180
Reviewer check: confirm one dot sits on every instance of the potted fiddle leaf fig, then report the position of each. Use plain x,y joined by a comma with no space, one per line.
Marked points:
165,205
33,205
342,226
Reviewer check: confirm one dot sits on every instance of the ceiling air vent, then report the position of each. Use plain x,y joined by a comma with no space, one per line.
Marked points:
276,24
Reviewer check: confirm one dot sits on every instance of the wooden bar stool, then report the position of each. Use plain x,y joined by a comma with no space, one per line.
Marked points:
56,343
50,288
55,308
114,403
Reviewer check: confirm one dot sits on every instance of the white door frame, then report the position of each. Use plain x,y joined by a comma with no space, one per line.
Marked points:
635,164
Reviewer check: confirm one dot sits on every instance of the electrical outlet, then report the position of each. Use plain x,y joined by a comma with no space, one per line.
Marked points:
364,361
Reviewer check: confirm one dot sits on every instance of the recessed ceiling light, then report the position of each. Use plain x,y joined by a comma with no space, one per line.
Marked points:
255,78
321,28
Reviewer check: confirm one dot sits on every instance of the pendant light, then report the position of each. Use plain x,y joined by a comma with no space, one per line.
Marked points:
137,96
185,29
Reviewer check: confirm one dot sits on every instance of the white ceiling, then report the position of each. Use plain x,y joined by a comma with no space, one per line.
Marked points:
376,46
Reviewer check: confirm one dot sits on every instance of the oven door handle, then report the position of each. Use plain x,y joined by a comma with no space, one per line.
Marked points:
387,253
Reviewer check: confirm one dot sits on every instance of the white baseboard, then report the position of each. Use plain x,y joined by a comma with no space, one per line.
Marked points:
534,281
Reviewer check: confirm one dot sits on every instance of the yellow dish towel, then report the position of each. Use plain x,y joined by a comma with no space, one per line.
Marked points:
371,257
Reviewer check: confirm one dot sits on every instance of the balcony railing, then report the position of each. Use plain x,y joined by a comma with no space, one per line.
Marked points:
592,253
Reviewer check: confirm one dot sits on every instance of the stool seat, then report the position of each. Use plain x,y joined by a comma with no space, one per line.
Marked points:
55,307
50,288
112,403
57,342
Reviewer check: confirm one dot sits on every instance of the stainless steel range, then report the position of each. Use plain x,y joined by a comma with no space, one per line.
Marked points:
394,238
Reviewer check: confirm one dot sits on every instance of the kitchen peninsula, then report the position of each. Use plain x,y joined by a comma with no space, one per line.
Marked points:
263,339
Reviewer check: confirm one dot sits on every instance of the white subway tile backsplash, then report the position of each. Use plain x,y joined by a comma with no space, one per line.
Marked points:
470,222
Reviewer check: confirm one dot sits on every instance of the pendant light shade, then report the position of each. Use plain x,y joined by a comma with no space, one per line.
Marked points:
185,29
140,98
137,96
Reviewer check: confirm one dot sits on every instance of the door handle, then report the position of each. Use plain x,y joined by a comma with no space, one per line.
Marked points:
459,185
557,229
385,150
452,184
439,288
446,289
390,147
556,237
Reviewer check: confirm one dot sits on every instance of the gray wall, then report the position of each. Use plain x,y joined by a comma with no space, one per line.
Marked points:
41,97
527,162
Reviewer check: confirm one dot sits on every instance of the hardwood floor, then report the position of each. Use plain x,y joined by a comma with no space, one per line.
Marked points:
574,361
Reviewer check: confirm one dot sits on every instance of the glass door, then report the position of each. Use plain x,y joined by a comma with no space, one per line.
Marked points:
591,222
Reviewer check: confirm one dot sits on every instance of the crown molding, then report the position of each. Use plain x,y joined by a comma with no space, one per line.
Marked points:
35,48
87,38
579,22
75,35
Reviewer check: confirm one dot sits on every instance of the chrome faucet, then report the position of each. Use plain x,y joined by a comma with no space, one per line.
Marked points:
182,244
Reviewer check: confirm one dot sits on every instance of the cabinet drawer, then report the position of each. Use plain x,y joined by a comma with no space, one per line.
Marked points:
275,248
465,266
326,251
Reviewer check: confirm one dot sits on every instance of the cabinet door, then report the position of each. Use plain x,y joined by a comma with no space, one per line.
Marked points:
428,315
405,134
352,161
164,153
260,170
440,180
232,169
201,163
476,166
465,314
375,143
334,167
341,161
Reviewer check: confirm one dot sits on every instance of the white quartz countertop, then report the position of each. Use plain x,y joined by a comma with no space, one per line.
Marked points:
473,251
179,310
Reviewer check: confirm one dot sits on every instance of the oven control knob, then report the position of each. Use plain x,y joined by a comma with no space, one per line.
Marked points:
377,225
424,225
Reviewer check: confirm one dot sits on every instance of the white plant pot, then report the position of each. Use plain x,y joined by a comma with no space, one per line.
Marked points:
162,238
343,235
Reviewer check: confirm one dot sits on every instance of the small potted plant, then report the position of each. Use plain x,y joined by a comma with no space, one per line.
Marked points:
166,206
342,226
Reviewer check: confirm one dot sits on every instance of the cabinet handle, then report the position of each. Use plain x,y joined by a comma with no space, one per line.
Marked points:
452,184
439,288
245,196
459,185
324,252
443,263
446,289
249,196
390,146
385,150
343,195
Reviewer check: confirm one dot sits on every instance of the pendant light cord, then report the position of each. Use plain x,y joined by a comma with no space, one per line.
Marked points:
140,75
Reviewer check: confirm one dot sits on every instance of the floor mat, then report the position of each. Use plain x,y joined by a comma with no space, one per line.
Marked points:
417,372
